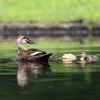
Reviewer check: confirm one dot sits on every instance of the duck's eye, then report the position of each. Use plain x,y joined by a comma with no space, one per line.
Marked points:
26,41
24,37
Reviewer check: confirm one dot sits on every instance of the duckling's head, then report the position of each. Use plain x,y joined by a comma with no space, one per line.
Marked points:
82,54
23,39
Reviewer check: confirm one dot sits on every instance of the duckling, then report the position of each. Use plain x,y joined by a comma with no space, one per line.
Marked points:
30,54
68,57
86,57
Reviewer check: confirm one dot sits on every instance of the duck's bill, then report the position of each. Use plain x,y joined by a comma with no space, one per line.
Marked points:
30,42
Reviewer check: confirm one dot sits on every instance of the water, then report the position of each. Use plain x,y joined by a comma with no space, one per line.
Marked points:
49,81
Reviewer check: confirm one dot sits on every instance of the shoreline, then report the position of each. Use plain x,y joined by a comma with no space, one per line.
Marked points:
30,25
42,31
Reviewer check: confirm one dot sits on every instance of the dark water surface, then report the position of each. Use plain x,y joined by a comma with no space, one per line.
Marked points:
50,81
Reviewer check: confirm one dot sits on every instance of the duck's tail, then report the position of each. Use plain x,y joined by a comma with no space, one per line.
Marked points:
44,57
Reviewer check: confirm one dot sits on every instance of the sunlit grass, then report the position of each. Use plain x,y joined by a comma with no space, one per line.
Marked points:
48,10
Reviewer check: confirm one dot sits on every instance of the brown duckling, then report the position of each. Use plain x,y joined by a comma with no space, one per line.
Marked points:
86,57
30,54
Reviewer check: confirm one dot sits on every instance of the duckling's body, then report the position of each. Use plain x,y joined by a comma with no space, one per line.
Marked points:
86,57
30,54
68,57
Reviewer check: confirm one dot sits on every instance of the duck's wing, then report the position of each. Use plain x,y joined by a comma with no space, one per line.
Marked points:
33,55
34,52
38,55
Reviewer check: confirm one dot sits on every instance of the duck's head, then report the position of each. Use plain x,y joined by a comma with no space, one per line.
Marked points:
82,54
23,39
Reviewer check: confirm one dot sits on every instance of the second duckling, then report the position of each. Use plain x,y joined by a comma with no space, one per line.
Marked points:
86,57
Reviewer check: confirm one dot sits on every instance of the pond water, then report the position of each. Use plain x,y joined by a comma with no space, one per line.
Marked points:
54,80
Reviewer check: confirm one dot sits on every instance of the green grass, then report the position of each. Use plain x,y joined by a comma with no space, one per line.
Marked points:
48,11
50,44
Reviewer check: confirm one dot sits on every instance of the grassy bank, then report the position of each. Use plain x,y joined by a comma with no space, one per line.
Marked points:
48,10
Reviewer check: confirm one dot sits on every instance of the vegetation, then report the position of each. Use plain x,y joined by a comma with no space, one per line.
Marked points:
48,11
55,44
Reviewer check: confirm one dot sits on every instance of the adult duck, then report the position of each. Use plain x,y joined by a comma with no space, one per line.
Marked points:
85,57
30,54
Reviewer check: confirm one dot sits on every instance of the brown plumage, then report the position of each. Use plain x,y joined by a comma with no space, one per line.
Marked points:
30,54
86,57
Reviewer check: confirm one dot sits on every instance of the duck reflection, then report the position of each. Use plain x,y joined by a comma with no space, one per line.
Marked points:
82,65
29,70
68,63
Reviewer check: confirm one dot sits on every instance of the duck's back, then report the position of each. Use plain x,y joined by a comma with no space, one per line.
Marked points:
92,58
33,55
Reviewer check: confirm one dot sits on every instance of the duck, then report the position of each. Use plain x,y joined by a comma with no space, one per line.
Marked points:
29,54
68,57
84,57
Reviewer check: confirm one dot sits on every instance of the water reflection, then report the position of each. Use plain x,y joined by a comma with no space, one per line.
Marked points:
68,63
82,64
29,70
